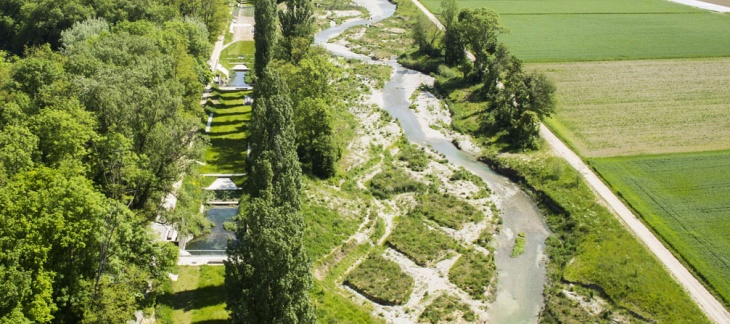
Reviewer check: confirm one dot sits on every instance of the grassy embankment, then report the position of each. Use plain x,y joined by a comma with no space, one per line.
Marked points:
590,248
196,297
570,30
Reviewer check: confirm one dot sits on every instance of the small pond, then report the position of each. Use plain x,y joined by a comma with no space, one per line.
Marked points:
218,237
238,80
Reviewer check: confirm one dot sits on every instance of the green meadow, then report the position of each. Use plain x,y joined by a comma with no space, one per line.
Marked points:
684,197
570,30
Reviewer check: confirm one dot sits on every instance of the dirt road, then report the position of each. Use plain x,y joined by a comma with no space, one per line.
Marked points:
711,306
707,302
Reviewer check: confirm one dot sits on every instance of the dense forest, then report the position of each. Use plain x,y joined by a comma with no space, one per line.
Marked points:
99,115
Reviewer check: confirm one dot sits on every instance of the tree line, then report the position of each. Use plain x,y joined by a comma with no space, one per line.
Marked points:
268,274
99,115
516,100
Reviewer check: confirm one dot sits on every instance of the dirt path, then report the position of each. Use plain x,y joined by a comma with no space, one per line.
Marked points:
711,306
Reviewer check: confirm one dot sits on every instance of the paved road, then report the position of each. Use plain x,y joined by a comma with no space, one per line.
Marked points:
707,302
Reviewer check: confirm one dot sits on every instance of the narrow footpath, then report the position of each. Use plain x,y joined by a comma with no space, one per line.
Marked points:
707,302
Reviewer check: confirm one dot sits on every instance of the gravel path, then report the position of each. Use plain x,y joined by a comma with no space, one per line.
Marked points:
711,306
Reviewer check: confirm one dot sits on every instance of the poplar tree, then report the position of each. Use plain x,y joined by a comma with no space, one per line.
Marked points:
264,34
297,28
267,274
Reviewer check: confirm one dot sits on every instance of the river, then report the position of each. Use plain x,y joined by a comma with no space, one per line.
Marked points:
521,280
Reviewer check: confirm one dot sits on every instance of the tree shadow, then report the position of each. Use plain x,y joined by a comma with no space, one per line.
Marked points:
195,299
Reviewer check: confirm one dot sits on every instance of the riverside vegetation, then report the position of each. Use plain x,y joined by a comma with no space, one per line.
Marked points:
589,248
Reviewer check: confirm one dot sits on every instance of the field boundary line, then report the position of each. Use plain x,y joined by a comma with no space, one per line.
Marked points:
714,310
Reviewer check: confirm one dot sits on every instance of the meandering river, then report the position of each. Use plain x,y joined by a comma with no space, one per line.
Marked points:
520,280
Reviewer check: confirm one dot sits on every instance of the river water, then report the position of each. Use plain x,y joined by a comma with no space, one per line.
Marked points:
520,280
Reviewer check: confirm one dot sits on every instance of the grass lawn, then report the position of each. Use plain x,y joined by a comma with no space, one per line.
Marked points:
684,197
197,296
237,53
228,146
642,107
562,30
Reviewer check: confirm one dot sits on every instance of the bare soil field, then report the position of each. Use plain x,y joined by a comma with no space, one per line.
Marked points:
621,108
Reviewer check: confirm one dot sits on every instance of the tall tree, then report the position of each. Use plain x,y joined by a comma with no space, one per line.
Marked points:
267,274
453,43
264,34
479,29
297,28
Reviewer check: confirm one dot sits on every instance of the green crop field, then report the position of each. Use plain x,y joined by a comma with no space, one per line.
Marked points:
642,107
571,30
228,146
510,7
684,198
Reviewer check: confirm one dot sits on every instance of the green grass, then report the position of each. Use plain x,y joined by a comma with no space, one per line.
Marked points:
519,247
228,146
196,297
512,7
237,53
327,226
422,245
381,280
446,309
560,30
391,181
446,210
684,198
414,155
473,273
592,248
642,107
332,305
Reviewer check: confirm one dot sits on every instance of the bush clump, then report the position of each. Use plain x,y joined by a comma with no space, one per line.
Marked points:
421,244
390,182
446,210
473,272
414,155
446,308
381,281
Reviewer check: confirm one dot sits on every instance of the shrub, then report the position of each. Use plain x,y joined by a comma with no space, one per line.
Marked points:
381,281
446,210
473,272
446,308
391,182
421,244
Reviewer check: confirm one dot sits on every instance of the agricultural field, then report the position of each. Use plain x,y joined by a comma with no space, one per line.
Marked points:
570,30
684,199
227,150
641,107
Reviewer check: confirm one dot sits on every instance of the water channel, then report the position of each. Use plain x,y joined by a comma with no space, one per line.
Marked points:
216,241
520,280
